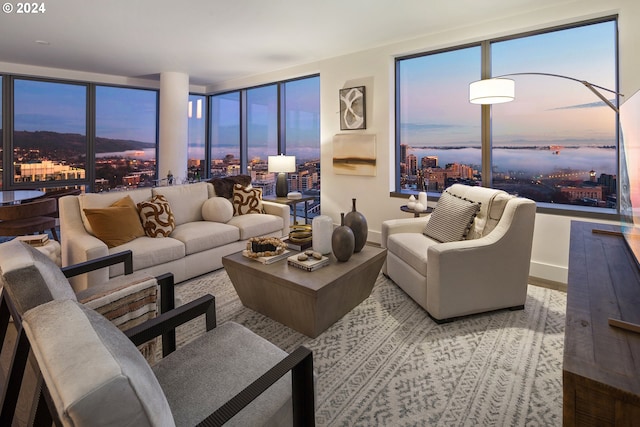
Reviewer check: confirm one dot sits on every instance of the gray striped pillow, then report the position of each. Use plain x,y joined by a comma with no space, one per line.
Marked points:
451,219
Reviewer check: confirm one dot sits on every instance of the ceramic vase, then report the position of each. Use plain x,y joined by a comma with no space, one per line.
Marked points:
422,198
411,204
322,227
342,241
358,224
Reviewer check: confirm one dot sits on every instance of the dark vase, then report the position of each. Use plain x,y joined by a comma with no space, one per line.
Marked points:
358,224
342,241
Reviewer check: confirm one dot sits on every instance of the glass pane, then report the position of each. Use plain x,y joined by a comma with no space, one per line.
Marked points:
262,131
225,134
1,138
197,137
49,134
302,115
439,130
556,142
126,137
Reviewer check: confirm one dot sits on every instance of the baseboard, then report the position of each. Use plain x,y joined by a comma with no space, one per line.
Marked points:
545,283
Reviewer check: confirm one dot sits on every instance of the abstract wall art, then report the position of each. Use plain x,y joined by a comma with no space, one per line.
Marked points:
354,154
352,108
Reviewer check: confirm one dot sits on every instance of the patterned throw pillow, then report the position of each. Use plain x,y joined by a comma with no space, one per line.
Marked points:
246,200
451,219
157,218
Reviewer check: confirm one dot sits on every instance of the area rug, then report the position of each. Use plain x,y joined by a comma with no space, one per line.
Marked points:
387,363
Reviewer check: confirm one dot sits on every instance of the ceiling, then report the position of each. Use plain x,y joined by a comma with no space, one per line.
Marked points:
215,41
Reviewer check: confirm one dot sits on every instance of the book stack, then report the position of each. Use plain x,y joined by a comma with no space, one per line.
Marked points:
310,264
298,246
35,240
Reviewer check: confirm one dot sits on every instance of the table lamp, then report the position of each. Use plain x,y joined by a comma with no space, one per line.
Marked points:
281,165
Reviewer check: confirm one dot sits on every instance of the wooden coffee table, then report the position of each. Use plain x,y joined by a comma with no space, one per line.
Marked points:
308,302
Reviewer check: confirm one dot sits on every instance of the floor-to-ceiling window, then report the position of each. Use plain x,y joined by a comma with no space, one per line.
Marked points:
77,134
49,131
197,138
556,143
248,125
126,135
224,139
262,132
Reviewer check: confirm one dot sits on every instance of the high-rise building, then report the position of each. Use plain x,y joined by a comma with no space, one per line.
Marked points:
412,164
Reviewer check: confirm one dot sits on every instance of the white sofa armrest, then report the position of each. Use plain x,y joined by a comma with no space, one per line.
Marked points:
404,225
280,210
469,272
77,245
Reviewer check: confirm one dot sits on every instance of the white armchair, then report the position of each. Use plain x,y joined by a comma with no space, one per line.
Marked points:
487,271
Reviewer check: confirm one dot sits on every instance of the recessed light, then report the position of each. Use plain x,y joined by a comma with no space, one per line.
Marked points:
43,42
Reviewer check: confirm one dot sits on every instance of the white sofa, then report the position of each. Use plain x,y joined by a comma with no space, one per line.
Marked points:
489,270
195,246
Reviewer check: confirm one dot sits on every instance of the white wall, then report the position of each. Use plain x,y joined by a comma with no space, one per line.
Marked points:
375,70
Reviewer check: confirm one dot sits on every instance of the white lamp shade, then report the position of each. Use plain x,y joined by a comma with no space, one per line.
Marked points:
282,163
492,91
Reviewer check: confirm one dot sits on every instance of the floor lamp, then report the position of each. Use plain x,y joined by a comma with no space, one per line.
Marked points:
497,90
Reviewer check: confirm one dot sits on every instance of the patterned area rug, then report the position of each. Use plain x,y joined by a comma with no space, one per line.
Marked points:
387,363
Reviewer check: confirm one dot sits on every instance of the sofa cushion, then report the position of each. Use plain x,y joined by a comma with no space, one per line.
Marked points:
199,236
30,277
94,373
218,365
412,249
247,200
257,225
148,252
217,209
103,200
224,186
185,200
157,217
116,224
451,219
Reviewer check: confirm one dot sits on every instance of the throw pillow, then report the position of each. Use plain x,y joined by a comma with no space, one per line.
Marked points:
117,224
224,186
157,218
217,209
246,200
451,219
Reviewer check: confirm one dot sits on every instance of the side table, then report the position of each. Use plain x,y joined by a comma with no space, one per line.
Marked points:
293,203
405,208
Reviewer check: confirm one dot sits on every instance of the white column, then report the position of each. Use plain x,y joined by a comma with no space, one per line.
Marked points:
174,130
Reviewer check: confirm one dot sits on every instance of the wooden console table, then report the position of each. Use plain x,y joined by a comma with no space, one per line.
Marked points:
601,370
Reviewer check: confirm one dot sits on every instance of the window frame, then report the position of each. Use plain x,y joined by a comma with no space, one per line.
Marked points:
486,136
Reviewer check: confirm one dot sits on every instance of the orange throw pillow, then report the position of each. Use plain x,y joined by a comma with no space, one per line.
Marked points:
117,224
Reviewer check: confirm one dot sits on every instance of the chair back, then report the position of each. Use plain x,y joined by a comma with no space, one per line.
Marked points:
38,207
492,204
95,375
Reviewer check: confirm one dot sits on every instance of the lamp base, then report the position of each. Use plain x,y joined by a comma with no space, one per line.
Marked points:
282,187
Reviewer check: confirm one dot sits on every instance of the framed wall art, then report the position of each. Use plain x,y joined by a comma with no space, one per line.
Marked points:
354,154
352,108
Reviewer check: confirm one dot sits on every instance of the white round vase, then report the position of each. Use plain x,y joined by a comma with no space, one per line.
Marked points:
322,229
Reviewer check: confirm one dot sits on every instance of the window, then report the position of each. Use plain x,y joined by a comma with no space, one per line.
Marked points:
126,137
197,137
225,134
49,131
557,143
262,133
439,133
248,125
